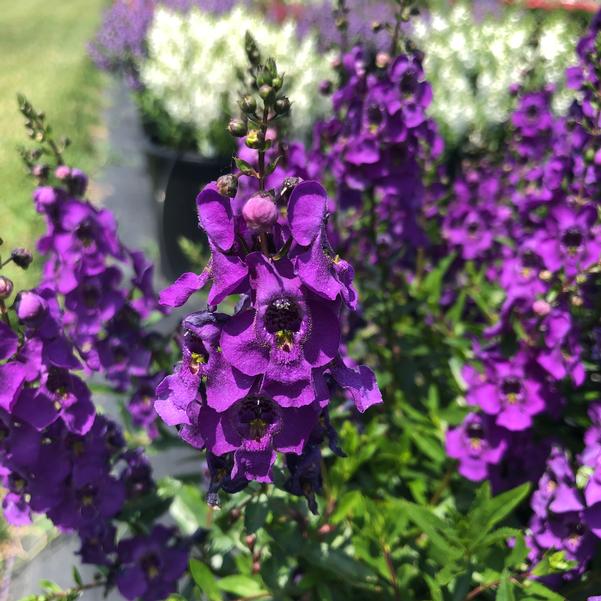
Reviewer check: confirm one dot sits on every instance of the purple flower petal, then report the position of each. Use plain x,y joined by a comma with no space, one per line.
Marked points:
360,383
12,376
36,409
324,339
182,289
240,345
307,211
215,217
8,341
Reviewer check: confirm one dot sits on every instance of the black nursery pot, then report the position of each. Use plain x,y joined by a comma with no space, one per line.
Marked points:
176,179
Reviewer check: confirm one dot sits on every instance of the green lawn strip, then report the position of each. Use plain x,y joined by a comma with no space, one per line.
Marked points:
43,55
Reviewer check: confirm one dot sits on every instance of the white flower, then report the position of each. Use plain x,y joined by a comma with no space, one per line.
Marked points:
471,64
194,61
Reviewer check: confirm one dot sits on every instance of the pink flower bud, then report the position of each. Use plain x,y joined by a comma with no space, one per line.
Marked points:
6,287
541,307
29,305
260,212
62,172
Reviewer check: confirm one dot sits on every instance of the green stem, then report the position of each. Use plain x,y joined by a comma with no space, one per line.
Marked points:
264,123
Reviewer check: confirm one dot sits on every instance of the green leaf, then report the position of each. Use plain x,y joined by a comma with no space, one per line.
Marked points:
238,584
189,508
505,589
350,505
439,532
490,512
431,285
204,578
435,590
540,590
77,576
50,587
518,554
338,562
245,168
255,515
500,535
272,165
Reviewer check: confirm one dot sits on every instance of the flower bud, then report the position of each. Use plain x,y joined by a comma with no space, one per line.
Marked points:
277,83
260,212
227,185
255,139
62,172
248,104
541,307
282,106
382,60
264,78
6,287
237,128
30,306
325,87
267,93
21,257
78,182
40,171
44,196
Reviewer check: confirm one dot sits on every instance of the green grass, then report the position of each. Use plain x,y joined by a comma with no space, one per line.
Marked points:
43,55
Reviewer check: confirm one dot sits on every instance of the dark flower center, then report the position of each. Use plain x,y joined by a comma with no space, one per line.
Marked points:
472,228
256,417
85,233
283,314
475,431
198,352
511,387
374,114
151,565
572,239
87,495
58,383
408,83
90,294
119,353
531,260
532,111
17,483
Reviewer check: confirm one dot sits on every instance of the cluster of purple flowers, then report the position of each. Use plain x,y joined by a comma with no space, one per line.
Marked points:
376,148
259,381
102,312
59,458
542,196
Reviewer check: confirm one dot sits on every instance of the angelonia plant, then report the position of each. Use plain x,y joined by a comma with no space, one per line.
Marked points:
106,289
469,284
259,382
59,455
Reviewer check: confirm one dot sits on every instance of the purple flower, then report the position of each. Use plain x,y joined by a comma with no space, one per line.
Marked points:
572,241
508,390
150,566
253,430
287,336
477,443
60,395
203,360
